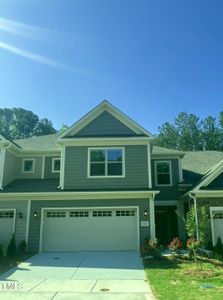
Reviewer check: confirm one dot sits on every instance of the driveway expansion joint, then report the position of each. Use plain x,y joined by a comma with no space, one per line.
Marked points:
39,283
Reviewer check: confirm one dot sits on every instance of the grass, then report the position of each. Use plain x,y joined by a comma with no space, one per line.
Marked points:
176,278
7,263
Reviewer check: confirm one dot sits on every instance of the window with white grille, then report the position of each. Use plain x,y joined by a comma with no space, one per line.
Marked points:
125,213
56,214
100,213
79,214
6,214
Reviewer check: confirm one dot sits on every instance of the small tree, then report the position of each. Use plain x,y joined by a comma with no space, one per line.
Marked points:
22,247
12,250
195,243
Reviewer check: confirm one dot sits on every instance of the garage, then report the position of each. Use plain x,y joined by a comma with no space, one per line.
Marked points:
217,224
94,229
7,225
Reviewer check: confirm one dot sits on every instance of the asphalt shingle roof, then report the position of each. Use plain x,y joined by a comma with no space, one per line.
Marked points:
156,150
39,143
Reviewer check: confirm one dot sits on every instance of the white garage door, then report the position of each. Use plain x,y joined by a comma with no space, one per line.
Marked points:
90,230
6,226
217,225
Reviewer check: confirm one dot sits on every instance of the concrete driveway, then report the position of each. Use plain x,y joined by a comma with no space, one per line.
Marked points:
77,275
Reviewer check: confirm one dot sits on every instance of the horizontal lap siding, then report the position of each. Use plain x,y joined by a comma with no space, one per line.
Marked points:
20,225
34,232
136,170
37,169
105,125
167,192
48,174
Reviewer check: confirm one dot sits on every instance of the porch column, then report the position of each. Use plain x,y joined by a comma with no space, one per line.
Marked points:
152,218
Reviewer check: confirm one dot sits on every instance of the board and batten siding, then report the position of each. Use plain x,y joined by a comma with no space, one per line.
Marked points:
104,125
20,224
34,230
136,170
48,174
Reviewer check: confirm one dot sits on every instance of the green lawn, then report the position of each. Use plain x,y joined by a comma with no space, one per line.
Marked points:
176,279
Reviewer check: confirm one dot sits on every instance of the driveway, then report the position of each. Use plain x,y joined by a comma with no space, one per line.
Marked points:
77,275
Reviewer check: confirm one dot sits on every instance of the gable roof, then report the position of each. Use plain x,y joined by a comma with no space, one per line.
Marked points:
102,107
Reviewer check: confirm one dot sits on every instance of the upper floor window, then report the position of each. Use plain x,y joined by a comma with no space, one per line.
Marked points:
163,173
106,162
55,165
28,165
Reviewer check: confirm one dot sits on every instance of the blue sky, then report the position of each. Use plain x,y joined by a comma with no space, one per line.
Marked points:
151,59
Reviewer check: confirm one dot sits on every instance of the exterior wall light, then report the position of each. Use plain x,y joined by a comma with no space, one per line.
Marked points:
145,213
20,215
35,215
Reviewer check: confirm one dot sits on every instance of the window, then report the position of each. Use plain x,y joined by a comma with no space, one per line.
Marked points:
106,213
79,214
125,213
163,172
106,162
56,214
55,165
28,165
6,214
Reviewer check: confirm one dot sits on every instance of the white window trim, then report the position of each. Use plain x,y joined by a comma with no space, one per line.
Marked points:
106,148
53,160
170,168
214,209
23,164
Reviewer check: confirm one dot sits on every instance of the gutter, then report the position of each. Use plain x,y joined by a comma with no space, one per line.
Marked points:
196,217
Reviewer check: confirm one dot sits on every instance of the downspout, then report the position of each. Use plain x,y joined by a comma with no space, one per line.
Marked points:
196,217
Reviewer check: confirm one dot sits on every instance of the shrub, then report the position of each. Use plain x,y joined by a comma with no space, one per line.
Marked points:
152,248
1,251
11,249
218,248
22,247
175,245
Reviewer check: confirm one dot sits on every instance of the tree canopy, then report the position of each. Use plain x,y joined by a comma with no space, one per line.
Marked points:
188,132
18,123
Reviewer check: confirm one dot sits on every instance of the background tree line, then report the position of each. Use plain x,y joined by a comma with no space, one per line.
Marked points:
188,132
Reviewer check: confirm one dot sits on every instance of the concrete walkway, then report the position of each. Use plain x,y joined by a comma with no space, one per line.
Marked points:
77,276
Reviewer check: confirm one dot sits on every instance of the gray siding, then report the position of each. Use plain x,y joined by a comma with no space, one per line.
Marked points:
20,225
37,170
48,174
34,232
136,170
167,192
10,168
105,125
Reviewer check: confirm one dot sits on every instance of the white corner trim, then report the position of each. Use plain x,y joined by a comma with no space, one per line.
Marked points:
152,219
62,167
27,222
23,164
106,162
53,160
170,168
149,166
43,166
2,164
180,170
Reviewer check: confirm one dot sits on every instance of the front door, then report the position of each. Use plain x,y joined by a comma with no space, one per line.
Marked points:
166,223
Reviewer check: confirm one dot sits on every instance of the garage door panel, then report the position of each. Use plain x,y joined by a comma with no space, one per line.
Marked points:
90,230
218,225
6,227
